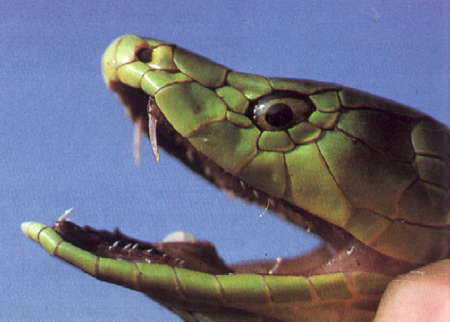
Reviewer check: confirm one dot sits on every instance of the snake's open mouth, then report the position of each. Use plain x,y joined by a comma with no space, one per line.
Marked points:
366,174
341,253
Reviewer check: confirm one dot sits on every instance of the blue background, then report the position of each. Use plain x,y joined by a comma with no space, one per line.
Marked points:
65,140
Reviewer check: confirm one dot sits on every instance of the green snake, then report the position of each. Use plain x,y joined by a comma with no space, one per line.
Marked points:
370,176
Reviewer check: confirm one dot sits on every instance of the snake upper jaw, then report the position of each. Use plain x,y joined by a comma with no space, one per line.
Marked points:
342,251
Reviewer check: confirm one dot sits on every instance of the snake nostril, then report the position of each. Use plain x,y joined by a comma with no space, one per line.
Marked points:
144,55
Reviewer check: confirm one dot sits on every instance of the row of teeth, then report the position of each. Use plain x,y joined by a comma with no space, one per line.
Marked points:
127,246
190,154
177,236
223,183
130,247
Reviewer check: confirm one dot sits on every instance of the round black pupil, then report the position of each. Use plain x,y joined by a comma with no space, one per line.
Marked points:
279,115
144,55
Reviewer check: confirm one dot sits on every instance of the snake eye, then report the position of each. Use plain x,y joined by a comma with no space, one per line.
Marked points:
144,55
280,111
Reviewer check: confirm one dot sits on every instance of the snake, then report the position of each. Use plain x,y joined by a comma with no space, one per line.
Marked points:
370,176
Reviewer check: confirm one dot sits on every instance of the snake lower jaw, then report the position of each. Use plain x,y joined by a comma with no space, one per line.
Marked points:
202,256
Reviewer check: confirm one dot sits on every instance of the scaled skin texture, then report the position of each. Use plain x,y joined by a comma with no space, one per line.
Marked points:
368,175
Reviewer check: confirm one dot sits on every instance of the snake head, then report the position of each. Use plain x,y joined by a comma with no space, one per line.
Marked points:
301,148
368,175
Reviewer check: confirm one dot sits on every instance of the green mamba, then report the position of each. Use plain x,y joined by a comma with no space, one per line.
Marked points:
368,175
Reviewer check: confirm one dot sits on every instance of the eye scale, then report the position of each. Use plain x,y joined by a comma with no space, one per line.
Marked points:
280,110
368,175
277,115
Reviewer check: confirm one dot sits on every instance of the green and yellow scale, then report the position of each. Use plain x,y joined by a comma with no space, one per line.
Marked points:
321,154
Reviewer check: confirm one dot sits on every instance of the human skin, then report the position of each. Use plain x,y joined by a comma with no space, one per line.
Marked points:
422,295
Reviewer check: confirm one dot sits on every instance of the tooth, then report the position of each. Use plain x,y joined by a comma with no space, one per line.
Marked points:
266,208
276,266
230,193
190,154
350,251
65,215
152,122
